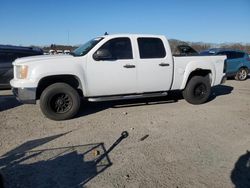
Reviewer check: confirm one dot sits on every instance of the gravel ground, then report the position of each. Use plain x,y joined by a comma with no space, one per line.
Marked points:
170,144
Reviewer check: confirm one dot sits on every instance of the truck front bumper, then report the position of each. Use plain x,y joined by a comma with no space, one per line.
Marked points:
25,95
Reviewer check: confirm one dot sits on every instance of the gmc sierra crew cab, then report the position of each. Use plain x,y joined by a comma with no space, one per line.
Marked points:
113,67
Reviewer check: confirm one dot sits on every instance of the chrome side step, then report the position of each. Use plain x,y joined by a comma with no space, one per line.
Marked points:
126,97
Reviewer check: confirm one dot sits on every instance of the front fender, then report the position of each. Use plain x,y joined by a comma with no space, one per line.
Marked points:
44,69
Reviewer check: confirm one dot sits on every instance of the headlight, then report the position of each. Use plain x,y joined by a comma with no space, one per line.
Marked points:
21,71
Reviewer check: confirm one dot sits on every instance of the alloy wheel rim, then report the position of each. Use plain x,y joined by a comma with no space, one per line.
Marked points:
242,74
61,103
200,90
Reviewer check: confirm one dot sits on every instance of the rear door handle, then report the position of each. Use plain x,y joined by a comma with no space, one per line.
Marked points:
164,64
129,66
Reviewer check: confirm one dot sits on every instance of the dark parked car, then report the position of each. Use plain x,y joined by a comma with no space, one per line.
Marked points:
7,55
238,62
185,50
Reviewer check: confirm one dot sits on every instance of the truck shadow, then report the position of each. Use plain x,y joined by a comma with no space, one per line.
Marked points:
88,108
240,175
7,102
71,166
220,90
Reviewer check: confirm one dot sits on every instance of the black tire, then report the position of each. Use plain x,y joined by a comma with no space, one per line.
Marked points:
60,101
242,74
197,90
1,180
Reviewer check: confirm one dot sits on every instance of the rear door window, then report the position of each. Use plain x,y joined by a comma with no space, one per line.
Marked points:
150,48
231,55
235,55
239,55
222,53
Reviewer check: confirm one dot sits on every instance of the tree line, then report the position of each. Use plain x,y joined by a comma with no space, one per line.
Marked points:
198,46
201,46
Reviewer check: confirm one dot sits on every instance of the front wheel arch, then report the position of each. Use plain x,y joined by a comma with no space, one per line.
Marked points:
198,72
60,101
72,80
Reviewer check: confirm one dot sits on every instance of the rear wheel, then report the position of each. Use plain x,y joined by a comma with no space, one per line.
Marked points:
60,101
241,74
197,90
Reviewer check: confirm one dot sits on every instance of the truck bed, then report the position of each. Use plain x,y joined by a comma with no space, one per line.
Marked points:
183,65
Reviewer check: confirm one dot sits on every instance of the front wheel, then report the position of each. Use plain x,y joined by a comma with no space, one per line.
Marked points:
241,74
60,101
197,90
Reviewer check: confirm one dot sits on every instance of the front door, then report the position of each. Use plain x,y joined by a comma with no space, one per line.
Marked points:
115,75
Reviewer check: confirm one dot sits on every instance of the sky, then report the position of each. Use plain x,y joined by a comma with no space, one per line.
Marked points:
73,22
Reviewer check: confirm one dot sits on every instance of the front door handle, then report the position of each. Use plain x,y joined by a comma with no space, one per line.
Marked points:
164,64
129,66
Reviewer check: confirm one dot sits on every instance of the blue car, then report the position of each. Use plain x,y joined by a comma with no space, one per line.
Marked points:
238,62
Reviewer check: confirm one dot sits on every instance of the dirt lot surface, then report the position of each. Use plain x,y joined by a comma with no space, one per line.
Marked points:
170,143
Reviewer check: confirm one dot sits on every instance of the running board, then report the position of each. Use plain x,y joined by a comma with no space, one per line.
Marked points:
127,97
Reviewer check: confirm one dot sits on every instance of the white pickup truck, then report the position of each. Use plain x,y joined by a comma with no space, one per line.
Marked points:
113,67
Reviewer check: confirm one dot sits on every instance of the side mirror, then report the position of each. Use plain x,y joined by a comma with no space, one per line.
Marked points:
102,54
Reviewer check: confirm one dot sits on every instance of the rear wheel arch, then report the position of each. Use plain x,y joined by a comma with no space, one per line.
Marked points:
199,72
244,67
197,90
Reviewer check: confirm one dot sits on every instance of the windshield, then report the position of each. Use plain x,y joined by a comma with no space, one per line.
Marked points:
85,48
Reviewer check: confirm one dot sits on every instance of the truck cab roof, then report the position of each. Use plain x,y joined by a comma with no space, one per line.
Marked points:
130,35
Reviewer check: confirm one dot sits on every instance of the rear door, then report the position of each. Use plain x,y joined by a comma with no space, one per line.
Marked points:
155,68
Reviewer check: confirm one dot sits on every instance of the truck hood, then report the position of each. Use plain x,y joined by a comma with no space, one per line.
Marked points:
30,59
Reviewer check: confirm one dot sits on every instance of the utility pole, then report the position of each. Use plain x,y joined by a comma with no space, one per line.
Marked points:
68,37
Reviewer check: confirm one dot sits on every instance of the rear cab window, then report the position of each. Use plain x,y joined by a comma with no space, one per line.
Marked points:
151,48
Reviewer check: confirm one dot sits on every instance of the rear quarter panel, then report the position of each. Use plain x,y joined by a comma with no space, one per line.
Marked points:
233,65
184,66
246,62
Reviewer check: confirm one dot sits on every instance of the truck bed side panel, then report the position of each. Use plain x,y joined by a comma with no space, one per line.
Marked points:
184,66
